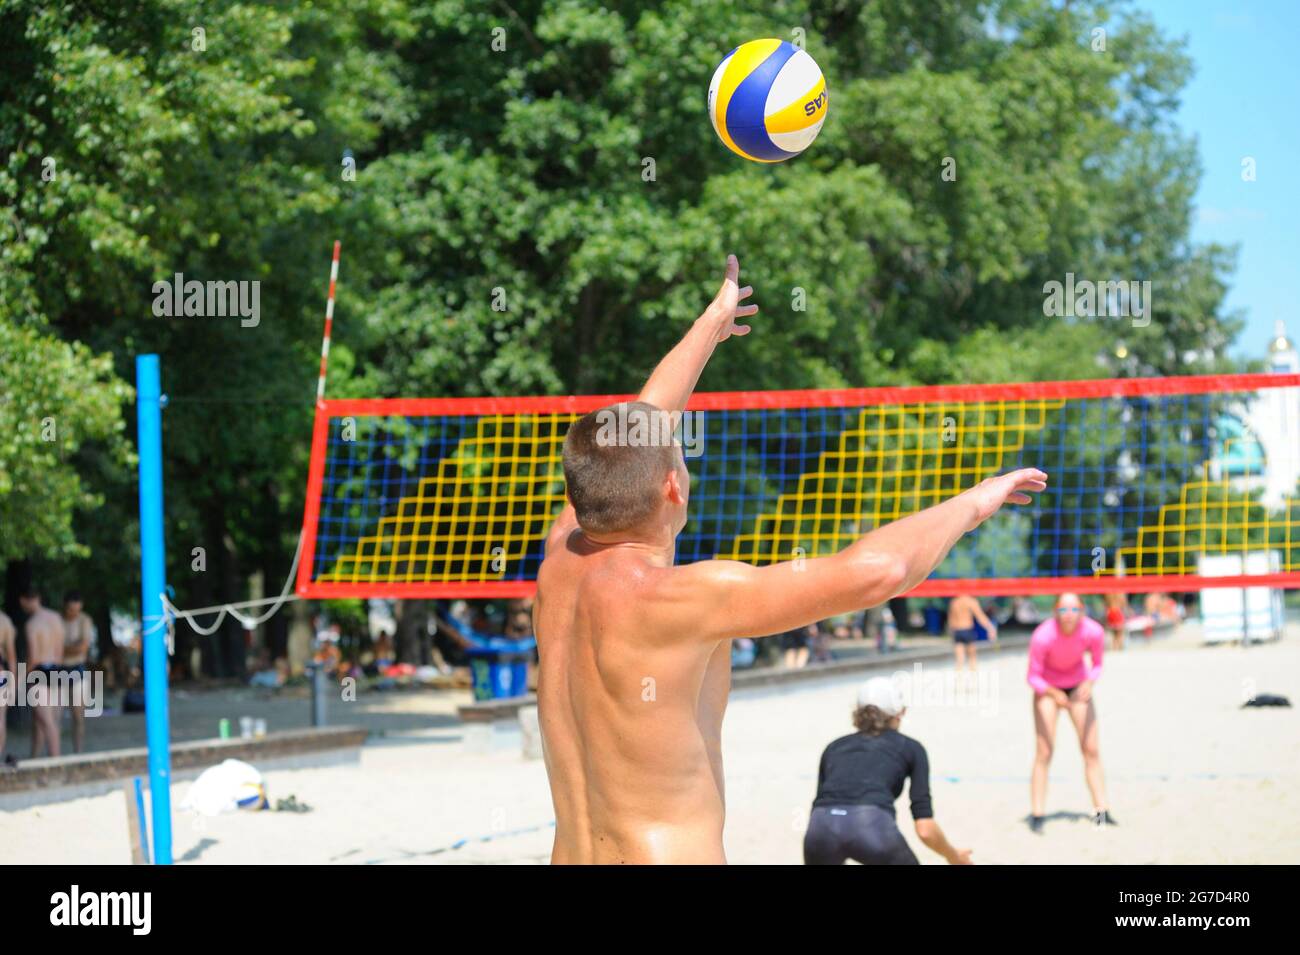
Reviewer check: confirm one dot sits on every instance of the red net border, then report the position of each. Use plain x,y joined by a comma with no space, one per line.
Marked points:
804,398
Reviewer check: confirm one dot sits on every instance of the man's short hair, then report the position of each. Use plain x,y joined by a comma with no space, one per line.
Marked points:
72,597
615,462
30,592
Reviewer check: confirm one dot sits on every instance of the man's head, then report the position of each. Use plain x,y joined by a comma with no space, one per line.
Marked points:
1069,613
30,599
623,471
72,604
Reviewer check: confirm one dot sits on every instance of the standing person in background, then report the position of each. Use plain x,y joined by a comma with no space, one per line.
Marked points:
963,611
860,777
1152,608
820,640
881,628
78,633
795,647
1116,612
44,634
519,618
8,659
1061,681
887,637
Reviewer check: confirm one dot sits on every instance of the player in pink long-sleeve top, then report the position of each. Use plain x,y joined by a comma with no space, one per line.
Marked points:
1062,681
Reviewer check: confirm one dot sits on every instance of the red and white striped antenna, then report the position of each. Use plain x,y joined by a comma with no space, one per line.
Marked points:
329,323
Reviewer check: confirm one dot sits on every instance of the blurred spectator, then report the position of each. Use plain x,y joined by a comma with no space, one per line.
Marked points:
963,614
267,674
820,639
1162,608
847,626
519,618
384,655
1116,615
328,651
795,646
78,638
887,632
1025,613
743,653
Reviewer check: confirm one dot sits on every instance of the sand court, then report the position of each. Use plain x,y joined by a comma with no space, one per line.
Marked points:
1193,778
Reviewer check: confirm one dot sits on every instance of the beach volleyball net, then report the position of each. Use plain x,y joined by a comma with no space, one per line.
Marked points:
1148,478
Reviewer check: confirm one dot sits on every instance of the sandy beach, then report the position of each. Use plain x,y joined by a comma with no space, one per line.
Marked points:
1193,777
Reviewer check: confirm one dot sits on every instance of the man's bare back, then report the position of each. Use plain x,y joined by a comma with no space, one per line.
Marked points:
631,717
44,632
635,653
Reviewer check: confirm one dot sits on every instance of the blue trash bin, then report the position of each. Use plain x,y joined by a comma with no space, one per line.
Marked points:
499,666
934,620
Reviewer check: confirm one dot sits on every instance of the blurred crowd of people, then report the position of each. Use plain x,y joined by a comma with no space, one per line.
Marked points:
966,620
62,644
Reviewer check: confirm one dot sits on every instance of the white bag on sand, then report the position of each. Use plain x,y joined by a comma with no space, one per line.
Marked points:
232,785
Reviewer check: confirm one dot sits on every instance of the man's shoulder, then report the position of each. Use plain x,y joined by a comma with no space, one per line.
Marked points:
638,577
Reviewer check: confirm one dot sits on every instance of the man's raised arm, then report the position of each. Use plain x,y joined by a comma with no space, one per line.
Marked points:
670,385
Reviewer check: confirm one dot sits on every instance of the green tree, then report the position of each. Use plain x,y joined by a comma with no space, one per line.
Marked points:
545,216
137,147
55,399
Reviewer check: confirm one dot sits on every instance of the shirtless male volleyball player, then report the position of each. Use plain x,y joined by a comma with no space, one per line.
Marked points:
635,652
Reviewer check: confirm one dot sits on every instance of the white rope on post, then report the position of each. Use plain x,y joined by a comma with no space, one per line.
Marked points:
170,611
248,622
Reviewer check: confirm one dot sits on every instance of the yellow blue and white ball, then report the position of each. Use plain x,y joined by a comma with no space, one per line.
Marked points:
768,100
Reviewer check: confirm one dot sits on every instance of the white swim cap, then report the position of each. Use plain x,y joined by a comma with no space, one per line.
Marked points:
881,693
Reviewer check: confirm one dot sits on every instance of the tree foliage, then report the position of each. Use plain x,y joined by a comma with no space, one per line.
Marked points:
571,177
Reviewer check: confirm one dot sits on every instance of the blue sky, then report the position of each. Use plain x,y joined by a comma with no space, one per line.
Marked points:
1244,100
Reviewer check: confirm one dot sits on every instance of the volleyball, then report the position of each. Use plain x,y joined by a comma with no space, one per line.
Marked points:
767,100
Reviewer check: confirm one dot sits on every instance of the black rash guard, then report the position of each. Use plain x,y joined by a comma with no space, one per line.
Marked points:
861,770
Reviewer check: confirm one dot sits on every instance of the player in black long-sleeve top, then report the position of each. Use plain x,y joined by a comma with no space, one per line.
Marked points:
860,777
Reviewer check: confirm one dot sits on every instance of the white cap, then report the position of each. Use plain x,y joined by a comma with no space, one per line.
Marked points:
883,694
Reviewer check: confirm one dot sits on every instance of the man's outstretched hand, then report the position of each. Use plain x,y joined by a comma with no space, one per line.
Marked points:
1014,487
726,308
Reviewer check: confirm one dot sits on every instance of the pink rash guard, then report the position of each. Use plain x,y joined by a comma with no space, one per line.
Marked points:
1056,660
